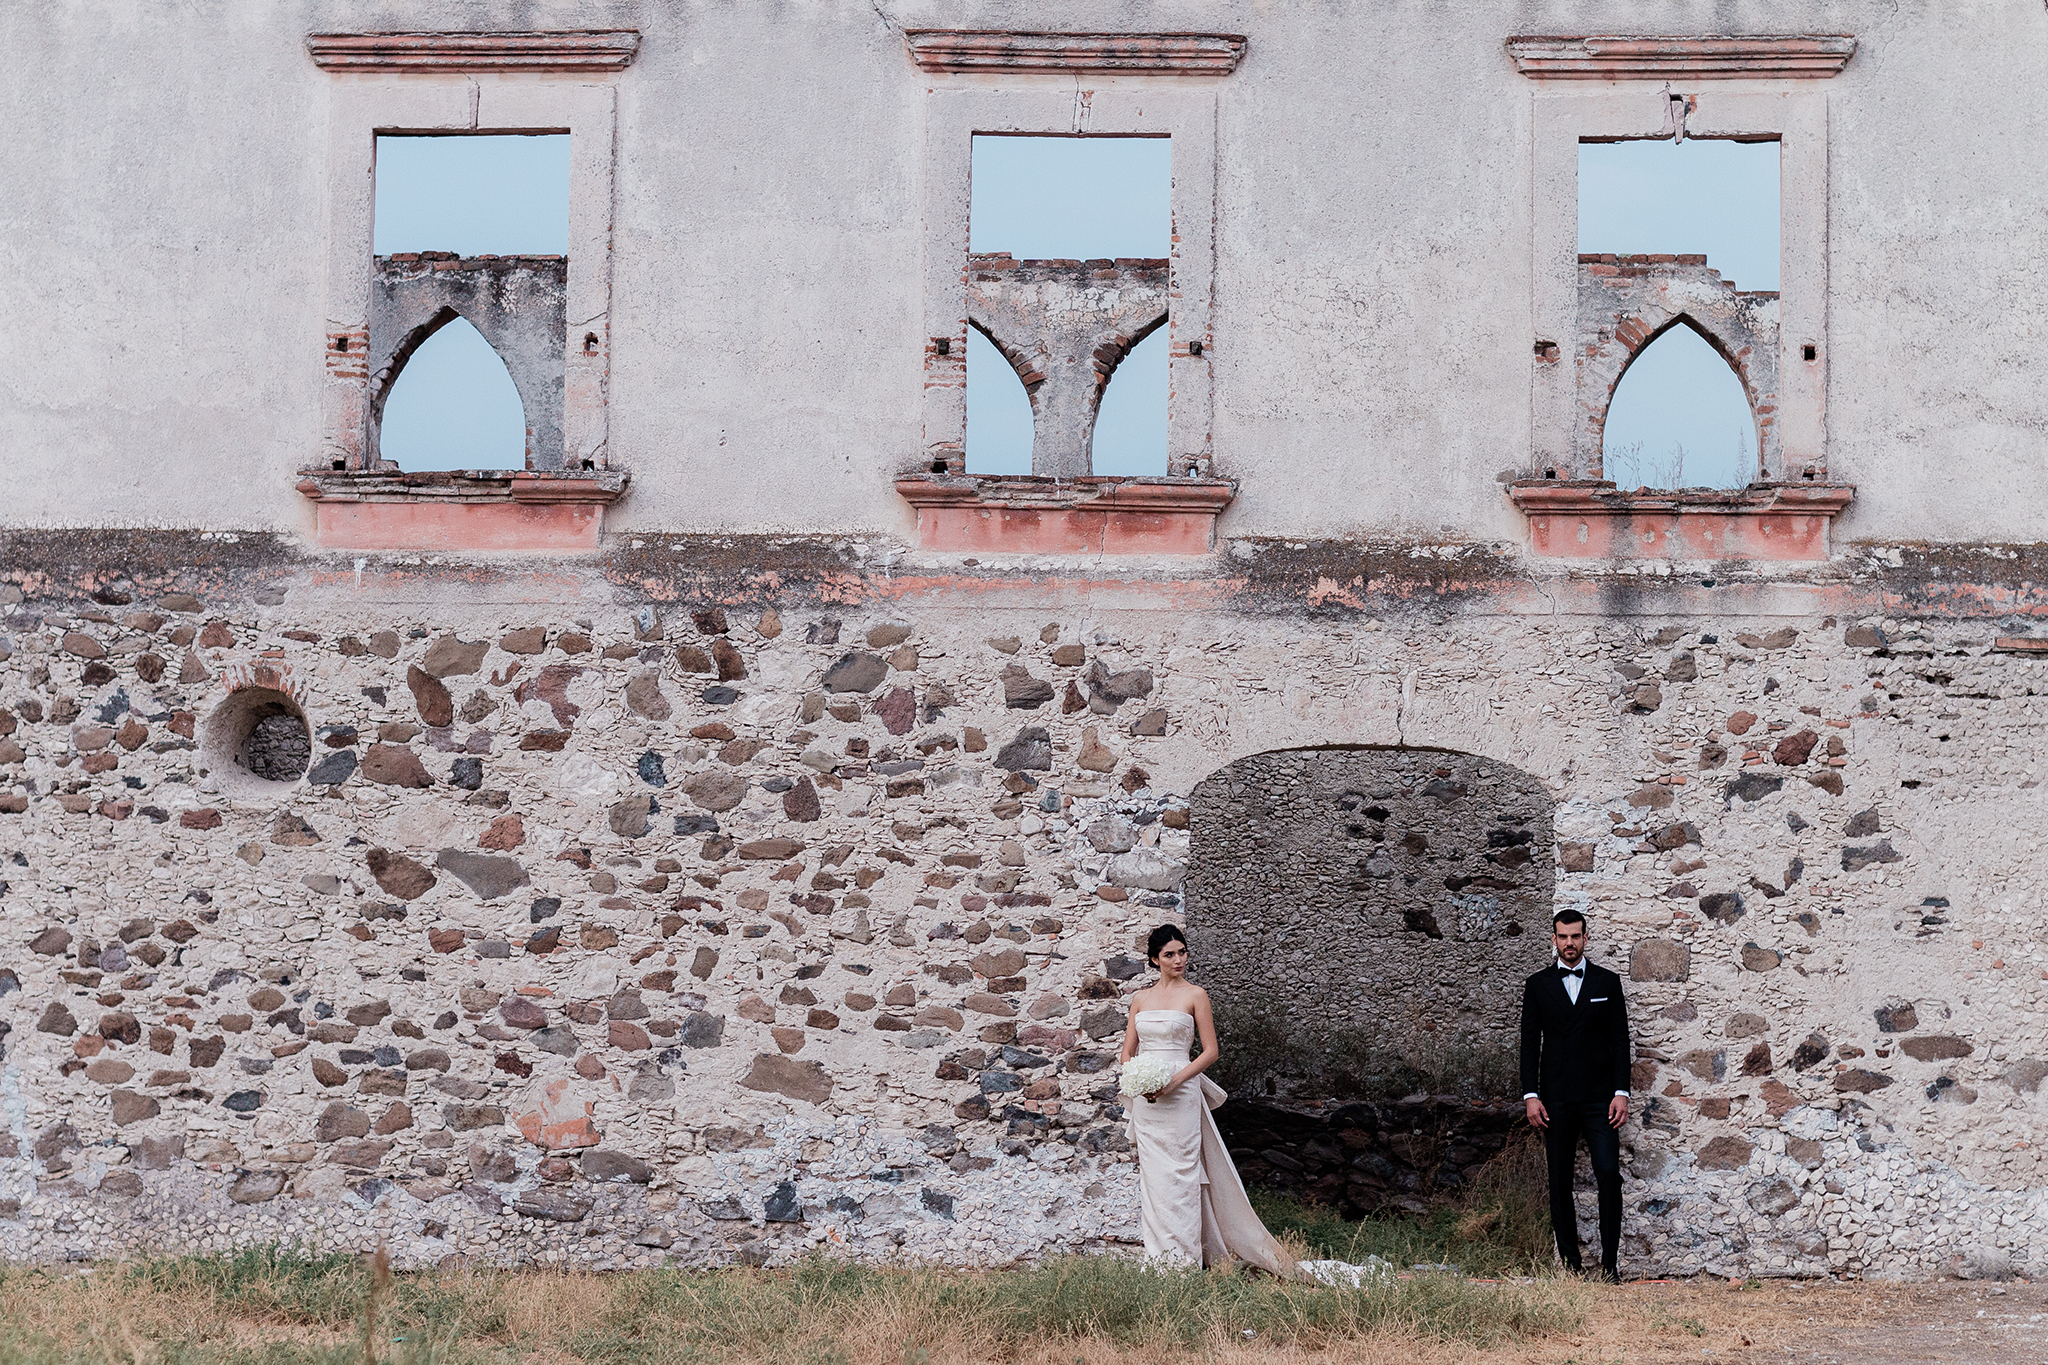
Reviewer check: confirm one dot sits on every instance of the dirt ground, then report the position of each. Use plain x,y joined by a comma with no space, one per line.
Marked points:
1952,1323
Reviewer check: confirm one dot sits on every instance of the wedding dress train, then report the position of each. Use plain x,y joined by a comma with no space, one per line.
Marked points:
1193,1205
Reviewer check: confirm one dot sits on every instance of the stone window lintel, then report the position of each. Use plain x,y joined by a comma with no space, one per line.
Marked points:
1021,52
571,50
1777,56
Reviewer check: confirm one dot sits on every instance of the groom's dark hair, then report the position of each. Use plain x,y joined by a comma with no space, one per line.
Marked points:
1566,916
1163,935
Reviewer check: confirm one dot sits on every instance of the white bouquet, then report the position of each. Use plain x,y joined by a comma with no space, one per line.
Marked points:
1145,1074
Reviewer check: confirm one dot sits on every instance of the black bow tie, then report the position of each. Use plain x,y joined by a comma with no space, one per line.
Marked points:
1579,972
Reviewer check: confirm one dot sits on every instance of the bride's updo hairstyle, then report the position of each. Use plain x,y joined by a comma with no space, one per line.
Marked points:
1163,935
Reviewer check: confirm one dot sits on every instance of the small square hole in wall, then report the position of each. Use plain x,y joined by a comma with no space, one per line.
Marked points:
1680,415
453,403
1067,346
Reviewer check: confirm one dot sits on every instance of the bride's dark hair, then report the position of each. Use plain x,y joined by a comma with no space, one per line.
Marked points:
1163,935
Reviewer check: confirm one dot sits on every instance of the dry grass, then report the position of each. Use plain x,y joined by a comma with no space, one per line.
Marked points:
281,1310
266,1309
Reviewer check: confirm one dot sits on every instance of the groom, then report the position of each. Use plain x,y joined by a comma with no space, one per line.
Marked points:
1575,1064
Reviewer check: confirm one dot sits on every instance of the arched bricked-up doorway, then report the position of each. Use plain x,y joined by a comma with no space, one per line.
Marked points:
1363,919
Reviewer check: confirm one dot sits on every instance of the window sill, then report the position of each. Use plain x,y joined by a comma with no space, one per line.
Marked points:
468,509
1023,514
1592,519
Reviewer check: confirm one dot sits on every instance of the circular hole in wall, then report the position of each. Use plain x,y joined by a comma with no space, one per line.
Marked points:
256,741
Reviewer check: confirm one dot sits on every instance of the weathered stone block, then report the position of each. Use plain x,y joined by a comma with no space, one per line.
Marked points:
488,876
1725,1153
1659,959
1936,1048
786,1076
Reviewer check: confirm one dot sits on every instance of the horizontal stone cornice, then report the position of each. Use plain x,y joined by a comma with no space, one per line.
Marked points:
1092,515
466,485
1662,58
566,50
1011,51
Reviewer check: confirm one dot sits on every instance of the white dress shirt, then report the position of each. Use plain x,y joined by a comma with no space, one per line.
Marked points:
1574,982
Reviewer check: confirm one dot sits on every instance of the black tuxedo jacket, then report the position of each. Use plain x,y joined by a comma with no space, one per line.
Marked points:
1574,1054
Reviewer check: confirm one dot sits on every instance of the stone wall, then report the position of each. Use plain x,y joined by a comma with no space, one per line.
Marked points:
660,909
1364,1158
1358,915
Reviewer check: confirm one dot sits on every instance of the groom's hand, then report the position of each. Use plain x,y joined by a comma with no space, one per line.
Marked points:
1539,1117
1617,1111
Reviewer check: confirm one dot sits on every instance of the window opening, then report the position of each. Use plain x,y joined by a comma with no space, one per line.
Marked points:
1130,426
453,405
1681,391
998,411
487,194
470,229
1679,261
1068,240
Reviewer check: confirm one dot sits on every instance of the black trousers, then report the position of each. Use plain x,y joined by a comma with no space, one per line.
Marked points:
1569,1123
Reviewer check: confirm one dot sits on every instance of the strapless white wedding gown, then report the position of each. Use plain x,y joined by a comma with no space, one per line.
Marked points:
1194,1206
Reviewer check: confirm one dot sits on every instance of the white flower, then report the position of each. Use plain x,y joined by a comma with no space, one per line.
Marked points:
1145,1073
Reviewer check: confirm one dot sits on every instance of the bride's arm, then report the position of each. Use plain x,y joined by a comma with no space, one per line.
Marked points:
1130,1047
1205,1029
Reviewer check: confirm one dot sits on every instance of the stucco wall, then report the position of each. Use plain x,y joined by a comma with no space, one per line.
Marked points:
1372,353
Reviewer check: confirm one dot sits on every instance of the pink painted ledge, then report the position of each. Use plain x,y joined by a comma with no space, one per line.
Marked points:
466,510
1025,515
1592,519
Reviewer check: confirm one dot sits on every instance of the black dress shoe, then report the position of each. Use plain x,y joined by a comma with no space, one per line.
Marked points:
1608,1274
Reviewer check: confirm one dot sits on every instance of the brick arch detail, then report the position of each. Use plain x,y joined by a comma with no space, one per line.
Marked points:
1626,303
1030,372
1065,326
385,377
1116,348
517,303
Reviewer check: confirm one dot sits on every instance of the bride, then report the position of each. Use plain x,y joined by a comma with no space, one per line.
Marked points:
1195,1208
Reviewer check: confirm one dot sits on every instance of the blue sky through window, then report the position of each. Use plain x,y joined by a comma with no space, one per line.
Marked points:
454,405
1680,418
1069,198
489,195
1080,198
